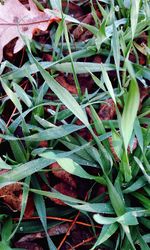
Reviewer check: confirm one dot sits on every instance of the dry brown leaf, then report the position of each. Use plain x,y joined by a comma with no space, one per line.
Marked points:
16,19
134,146
28,241
107,110
63,175
61,79
64,189
12,195
29,245
112,149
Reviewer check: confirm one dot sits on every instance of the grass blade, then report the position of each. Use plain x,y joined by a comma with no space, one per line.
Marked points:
135,5
130,112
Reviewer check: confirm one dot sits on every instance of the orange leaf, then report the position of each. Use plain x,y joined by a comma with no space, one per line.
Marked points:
16,19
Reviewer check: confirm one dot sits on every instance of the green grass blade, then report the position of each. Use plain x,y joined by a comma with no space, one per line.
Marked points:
135,5
130,112
41,210
66,98
108,82
106,233
116,200
23,170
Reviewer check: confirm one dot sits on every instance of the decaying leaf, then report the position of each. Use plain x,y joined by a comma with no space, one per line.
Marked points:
67,183
29,245
112,149
65,84
66,190
16,19
134,146
28,241
12,195
63,175
107,110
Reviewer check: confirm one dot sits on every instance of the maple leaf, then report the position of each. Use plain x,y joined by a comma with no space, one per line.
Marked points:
16,19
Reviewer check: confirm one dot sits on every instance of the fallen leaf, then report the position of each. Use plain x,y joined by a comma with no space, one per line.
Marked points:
12,195
61,79
64,189
144,92
134,146
63,175
20,20
29,207
28,241
112,149
80,30
28,245
107,110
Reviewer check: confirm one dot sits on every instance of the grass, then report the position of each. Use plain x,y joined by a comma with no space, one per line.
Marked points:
124,215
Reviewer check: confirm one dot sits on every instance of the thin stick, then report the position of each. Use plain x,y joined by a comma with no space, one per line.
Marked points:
68,231
71,226
82,243
60,219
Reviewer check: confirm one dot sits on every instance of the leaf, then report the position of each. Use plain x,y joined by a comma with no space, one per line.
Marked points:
138,133
13,97
41,210
63,94
116,144
116,200
47,134
6,231
140,182
56,4
130,112
76,203
134,15
128,218
22,94
21,20
72,167
24,170
106,233
108,82
12,195
116,51
4,165
23,205
147,177
4,246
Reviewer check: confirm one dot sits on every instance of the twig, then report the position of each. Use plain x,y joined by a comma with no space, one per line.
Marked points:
60,219
82,243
